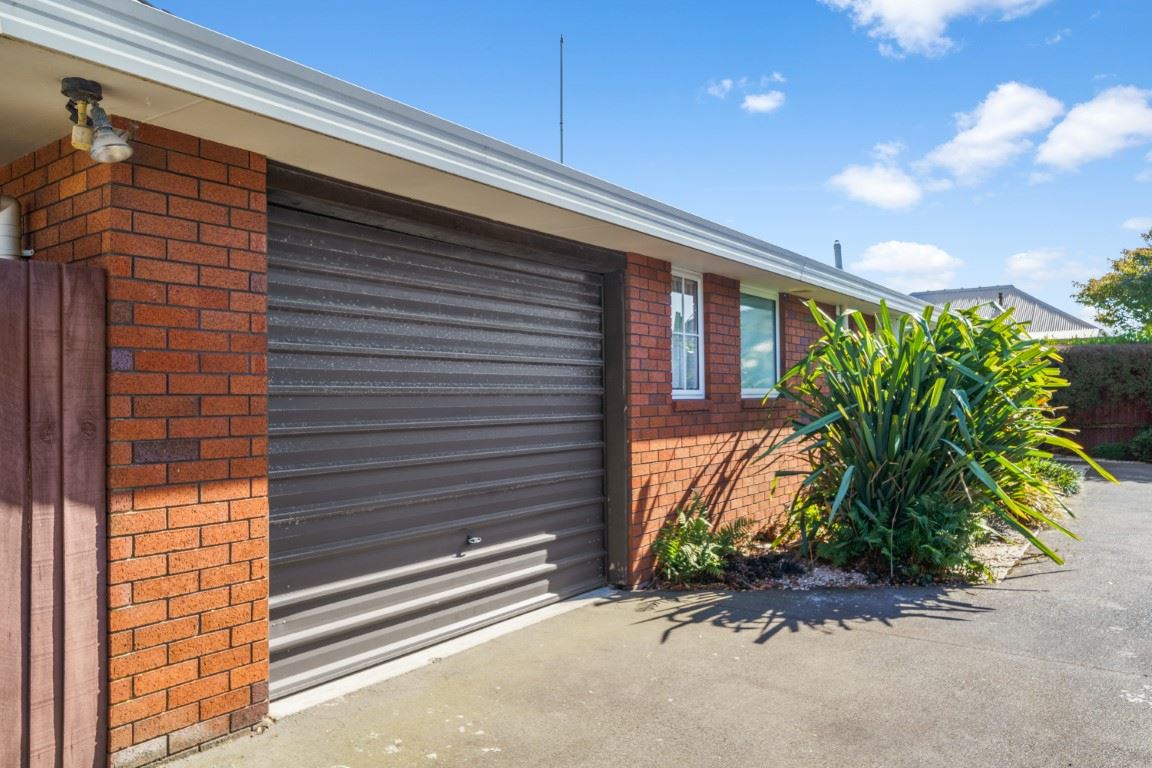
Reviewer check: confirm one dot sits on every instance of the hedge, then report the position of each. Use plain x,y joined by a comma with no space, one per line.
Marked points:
1105,375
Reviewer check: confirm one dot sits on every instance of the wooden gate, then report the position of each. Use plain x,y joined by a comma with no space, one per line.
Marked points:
52,513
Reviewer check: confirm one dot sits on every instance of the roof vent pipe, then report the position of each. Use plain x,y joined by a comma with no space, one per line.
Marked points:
9,228
839,255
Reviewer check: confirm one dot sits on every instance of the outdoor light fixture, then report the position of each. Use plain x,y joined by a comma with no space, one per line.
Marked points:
108,144
91,128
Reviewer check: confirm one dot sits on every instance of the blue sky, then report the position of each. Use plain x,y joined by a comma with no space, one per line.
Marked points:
946,143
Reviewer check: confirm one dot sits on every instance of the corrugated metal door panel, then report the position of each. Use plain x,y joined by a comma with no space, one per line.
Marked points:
424,393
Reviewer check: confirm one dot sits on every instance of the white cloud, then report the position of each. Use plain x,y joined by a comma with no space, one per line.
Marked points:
884,186
1059,37
1039,268
995,132
760,103
937,185
720,88
1118,118
920,26
888,151
988,137
1139,223
909,266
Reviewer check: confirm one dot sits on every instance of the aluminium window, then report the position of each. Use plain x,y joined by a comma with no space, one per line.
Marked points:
759,342
687,336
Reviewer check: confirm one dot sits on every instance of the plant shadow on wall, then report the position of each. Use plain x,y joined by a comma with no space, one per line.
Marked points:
713,485
924,434
721,474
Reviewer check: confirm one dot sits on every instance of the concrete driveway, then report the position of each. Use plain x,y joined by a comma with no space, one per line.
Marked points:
1052,667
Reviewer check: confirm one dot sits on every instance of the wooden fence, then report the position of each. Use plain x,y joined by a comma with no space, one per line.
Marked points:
1109,397
52,513
1110,422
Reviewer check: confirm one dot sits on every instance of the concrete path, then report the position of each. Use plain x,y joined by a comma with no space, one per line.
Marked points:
1052,667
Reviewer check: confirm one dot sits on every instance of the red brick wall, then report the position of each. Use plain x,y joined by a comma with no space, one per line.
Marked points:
681,447
180,230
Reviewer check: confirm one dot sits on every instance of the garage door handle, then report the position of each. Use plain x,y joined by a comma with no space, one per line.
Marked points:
473,541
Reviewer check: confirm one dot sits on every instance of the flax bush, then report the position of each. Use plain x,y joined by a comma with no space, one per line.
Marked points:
917,431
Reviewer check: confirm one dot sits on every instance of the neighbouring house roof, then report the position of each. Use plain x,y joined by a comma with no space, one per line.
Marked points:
165,71
1044,319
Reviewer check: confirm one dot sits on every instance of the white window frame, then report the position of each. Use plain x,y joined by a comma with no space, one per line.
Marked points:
764,293
690,394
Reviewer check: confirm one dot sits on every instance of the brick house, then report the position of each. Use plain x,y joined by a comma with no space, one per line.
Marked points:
373,380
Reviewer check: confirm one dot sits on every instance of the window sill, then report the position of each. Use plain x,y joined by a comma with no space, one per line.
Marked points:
757,403
686,404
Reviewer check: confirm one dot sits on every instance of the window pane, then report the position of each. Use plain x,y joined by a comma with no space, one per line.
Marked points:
677,305
757,342
691,363
686,332
690,321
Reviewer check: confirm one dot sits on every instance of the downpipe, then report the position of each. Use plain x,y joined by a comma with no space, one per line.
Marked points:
10,228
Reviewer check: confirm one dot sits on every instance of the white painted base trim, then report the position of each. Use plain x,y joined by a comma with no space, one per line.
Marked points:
298,702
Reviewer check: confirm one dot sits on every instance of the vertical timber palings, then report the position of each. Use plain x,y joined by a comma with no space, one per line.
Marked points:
83,534
46,630
14,554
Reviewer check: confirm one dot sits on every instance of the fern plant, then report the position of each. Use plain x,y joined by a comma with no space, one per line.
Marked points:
690,548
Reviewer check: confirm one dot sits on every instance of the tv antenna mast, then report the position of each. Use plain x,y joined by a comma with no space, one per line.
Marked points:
561,99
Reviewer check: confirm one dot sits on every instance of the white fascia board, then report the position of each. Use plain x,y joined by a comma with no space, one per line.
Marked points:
146,42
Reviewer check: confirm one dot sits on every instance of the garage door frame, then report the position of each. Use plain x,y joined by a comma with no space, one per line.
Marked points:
296,188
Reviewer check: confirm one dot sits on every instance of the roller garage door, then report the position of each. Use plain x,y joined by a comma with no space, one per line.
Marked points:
436,423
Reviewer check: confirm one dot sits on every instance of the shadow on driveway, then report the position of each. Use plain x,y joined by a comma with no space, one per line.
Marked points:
1048,668
763,615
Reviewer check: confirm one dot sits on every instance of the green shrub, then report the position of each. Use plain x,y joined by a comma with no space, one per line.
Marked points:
1111,451
916,429
1104,375
1123,337
691,549
1141,446
932,537
1064,479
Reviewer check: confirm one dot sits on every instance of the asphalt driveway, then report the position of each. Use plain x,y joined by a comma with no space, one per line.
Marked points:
1052,667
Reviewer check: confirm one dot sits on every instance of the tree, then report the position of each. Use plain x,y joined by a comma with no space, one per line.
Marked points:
1123,297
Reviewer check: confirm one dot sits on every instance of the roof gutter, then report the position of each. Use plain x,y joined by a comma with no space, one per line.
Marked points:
146,42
